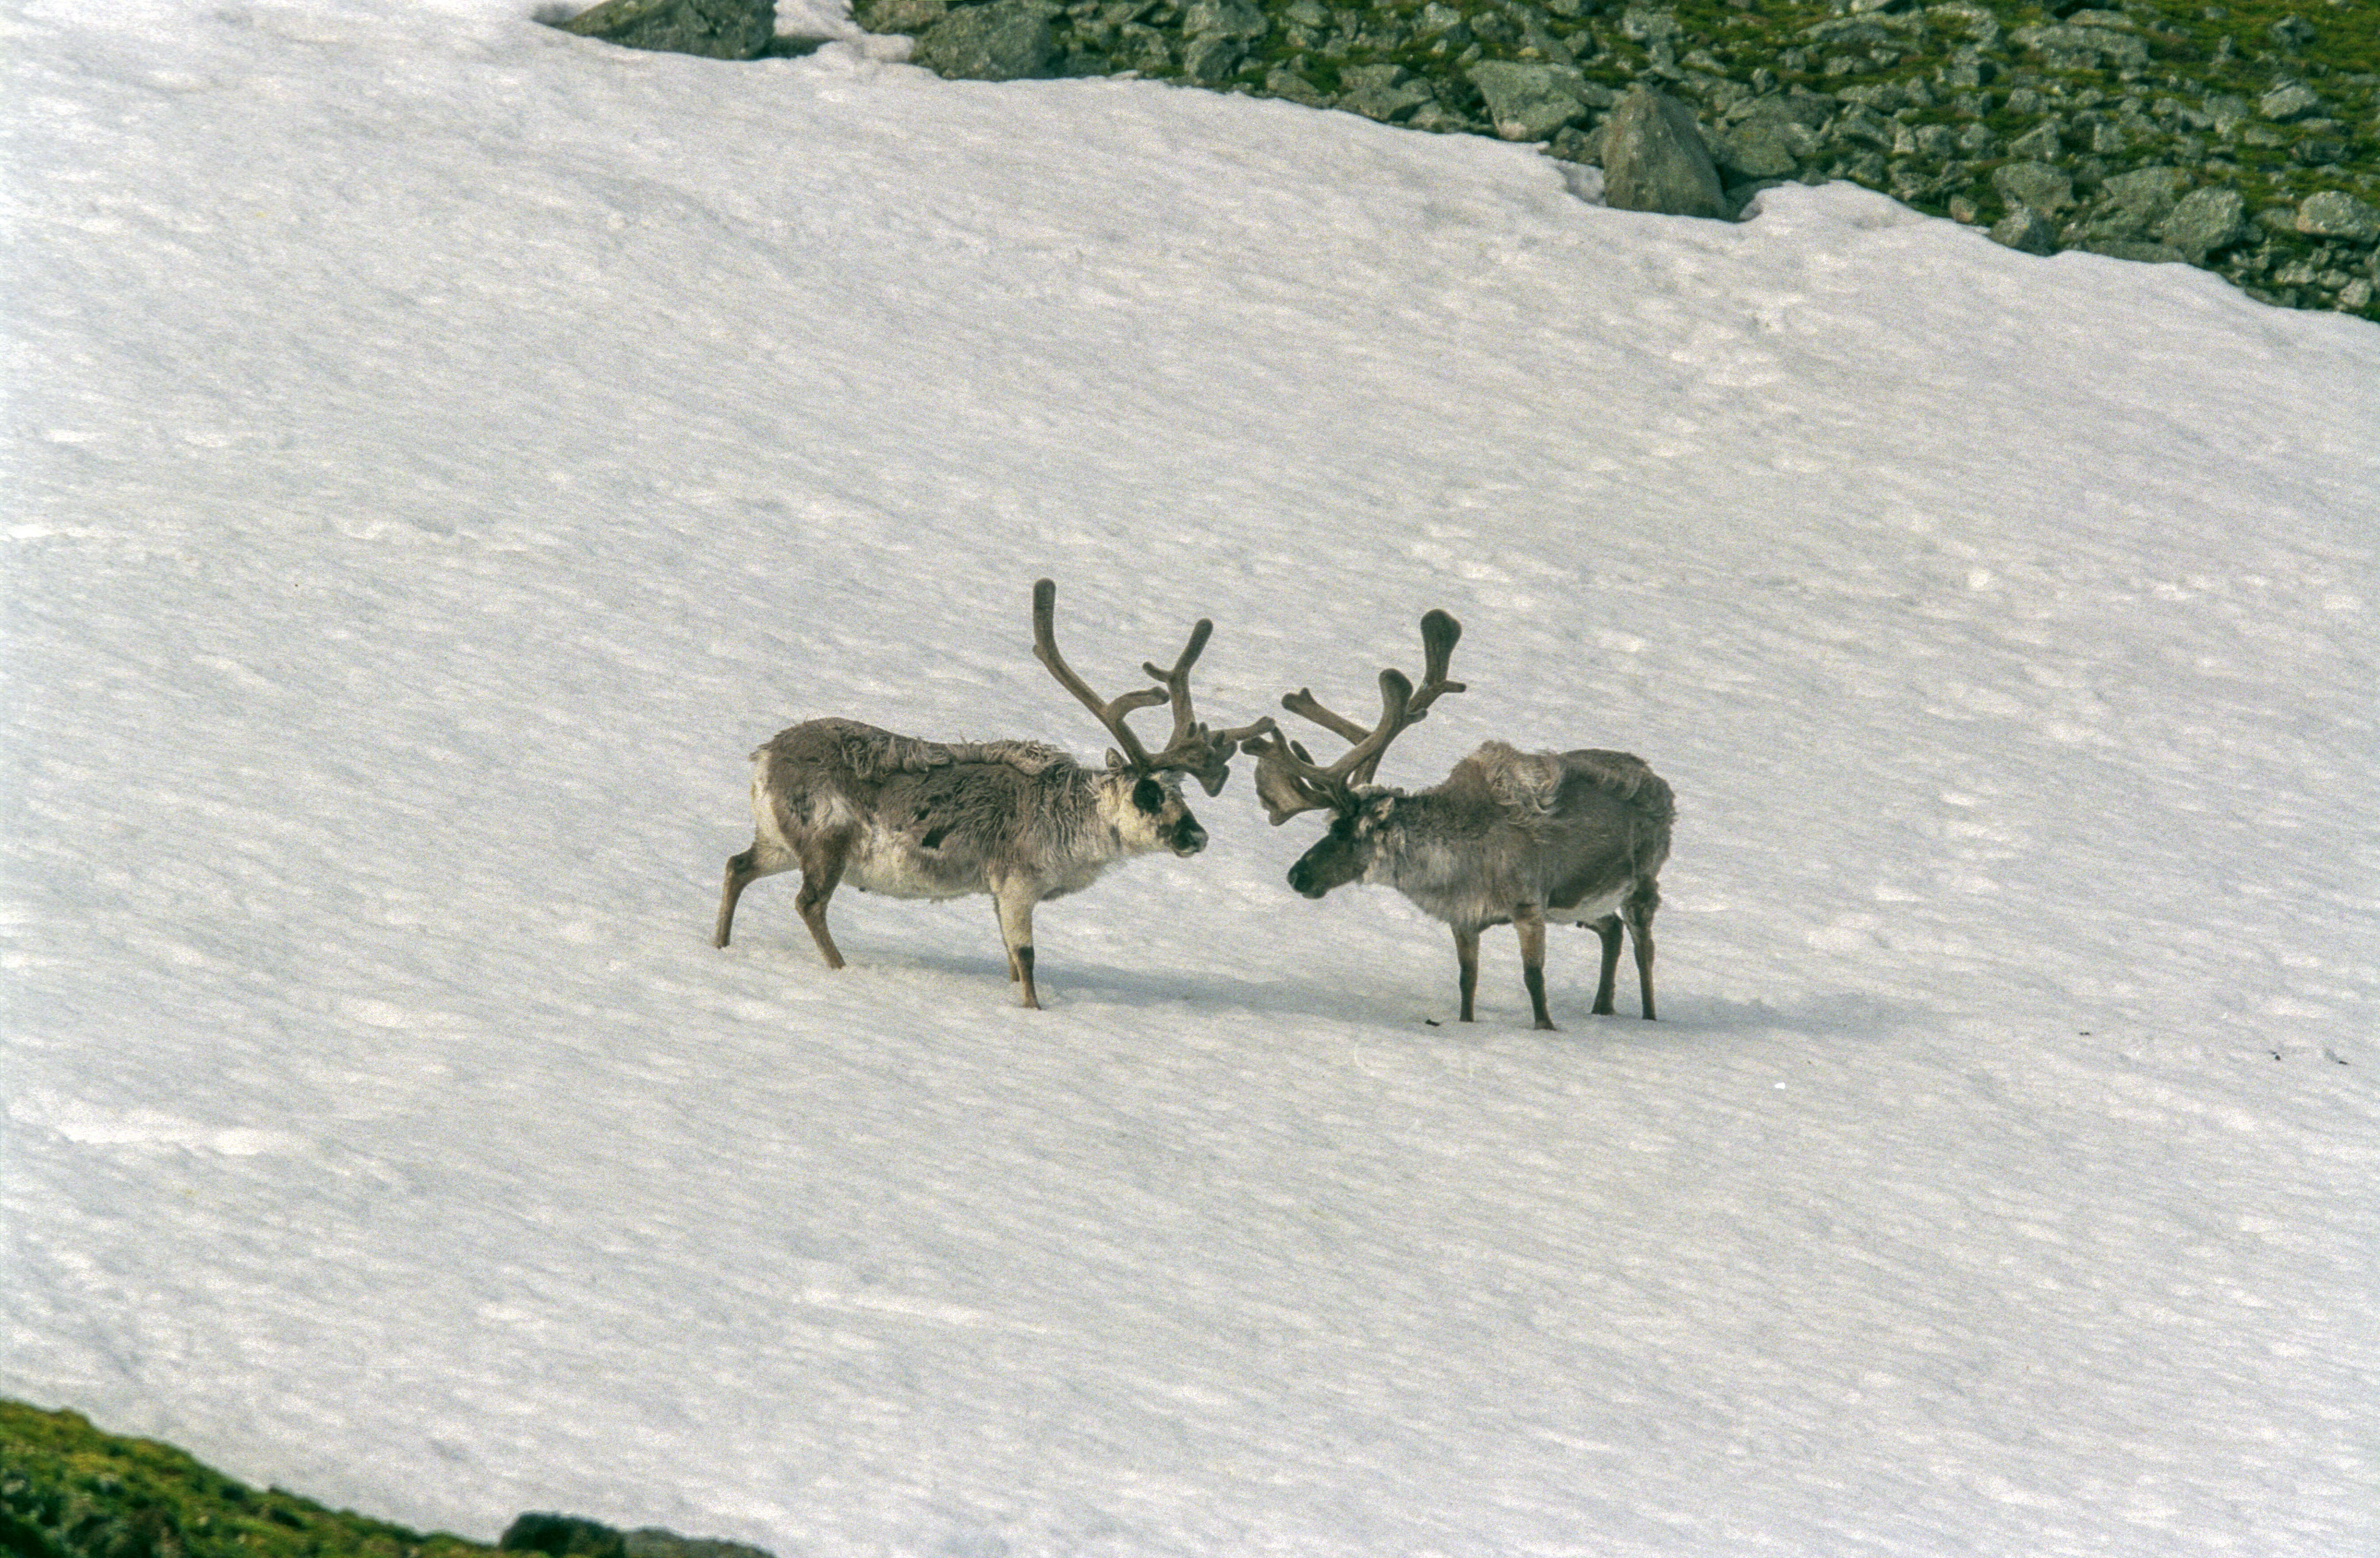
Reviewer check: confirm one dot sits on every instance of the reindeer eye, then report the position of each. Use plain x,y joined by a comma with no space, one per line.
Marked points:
1149,796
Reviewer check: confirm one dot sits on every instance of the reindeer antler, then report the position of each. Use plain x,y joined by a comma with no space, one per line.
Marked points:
1288,779
1192,748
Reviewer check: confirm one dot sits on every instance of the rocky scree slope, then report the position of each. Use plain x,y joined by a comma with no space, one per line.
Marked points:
2243,138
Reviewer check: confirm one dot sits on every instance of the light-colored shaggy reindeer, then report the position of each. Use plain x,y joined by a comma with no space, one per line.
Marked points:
848,802
1508,837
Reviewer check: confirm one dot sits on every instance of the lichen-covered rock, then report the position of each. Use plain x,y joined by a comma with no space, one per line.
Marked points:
2289,102
2067,47
1223,18
714,28
1654,159
1386,93
1765,145
1527,101
2025,230
2205,220
2334,214
1007,41
2038,187
568,1536
905,17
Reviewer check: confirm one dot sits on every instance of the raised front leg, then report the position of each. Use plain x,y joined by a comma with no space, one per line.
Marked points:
1466,961
1608,929
1530,921
1015,907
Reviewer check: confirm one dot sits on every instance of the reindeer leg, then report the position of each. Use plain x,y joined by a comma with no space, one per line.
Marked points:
1530,921
1466,959
1641,905
1608,929
821,869
1016,930
741,874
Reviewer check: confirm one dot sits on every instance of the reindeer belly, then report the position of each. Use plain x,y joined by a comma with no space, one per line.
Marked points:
899,866
1593,906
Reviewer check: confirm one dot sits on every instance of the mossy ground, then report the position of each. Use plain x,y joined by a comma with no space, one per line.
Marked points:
69,1491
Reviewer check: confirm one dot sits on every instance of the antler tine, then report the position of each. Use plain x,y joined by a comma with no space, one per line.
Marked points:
1289,782
1303,702
1177,682
1110,711
1440,633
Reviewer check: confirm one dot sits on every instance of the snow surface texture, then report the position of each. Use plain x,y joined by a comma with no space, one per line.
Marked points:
442,447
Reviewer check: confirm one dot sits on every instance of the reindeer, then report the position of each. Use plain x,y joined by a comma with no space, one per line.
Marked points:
1508,837
1017,819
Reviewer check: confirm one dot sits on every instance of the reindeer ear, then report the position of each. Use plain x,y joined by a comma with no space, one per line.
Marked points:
1115,760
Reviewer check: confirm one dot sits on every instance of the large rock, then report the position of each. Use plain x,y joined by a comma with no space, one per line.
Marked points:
2025,230
568,1536
2083,48
2204,220
2034,186
1654,159
906,17
1382,91
1528,100
1222,18
1007,41
715,29
2334,213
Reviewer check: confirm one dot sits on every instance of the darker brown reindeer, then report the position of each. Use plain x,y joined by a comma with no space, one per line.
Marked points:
1508,837
1025,822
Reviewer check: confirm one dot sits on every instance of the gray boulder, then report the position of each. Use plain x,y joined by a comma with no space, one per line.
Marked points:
713,29
1382,91
2289,102
1211,60
2334,213
1007,41
2025,230
1528,100
2204,220
1654,159
906,17
1222,18
2036,187
1766,143
2064,47
568,1536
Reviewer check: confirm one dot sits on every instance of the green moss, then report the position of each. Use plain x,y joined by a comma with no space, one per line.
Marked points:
69,1491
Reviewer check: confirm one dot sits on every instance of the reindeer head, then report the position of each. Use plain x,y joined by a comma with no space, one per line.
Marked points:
1289,780
1141,795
